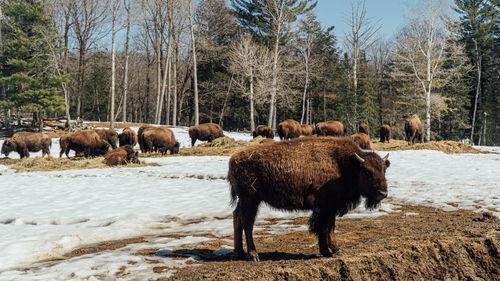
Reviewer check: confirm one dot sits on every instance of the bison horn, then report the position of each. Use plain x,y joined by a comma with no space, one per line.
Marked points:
386,157
360,160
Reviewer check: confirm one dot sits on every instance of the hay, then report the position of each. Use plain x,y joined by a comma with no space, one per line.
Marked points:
224,146
44,164
448,147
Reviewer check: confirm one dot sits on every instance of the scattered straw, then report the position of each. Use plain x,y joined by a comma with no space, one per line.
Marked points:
448,147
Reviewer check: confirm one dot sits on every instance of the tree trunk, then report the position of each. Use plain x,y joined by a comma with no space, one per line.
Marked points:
112,102
478,92
195,74
252,118
272,106
81,71
158,80
125,74
174,106
304,94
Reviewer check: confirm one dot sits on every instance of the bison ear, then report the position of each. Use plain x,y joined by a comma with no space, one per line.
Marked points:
386,161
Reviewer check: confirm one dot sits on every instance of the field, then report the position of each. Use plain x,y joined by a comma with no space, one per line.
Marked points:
170,218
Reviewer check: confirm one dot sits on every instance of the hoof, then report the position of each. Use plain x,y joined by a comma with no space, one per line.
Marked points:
326,254
336,250
254,256
240,254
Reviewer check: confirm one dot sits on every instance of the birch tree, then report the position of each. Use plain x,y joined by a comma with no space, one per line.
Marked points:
195,74
127,6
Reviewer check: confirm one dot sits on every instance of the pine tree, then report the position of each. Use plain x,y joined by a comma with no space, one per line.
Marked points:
29,80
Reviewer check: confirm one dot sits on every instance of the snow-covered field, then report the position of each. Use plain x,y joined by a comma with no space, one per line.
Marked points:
44,215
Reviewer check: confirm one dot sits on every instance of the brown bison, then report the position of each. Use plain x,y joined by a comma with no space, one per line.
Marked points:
385,133
140,138
160,139
122,156
264,141
111,136
87,142
127,137
205,132
263,130
287,176
363,140
24,142
363,128
413,129
331,128
289,129
306,130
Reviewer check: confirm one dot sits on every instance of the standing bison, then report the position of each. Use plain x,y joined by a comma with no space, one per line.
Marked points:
287,176
140,138
306,130
87,142
289,129
111,136
413,129
160,139
363,140
121,156
263,130
127,137
363,128
385,133
205,132
24,142
331,128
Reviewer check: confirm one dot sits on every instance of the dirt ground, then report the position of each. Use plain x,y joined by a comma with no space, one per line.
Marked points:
415,243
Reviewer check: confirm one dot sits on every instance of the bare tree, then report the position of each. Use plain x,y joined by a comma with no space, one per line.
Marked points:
360,37
195,74
115,6
127,6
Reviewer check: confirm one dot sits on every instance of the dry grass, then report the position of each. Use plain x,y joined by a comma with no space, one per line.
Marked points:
43,164
444,146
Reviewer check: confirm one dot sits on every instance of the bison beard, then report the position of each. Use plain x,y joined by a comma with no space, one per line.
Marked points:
287,176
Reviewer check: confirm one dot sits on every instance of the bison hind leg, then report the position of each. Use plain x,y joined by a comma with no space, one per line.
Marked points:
244,219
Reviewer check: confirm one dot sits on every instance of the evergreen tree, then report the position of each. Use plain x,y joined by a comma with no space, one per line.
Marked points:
26,74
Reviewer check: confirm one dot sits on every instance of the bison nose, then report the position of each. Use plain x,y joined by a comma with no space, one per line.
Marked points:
381,194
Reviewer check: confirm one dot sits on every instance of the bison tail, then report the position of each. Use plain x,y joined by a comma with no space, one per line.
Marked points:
234,197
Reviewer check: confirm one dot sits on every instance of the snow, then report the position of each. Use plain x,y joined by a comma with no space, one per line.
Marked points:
44,215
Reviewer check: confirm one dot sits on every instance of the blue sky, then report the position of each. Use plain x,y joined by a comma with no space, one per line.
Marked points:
390,13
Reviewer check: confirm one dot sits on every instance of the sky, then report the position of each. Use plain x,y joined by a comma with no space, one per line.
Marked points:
389,13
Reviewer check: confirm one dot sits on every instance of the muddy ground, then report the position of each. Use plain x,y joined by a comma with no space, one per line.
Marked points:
415,243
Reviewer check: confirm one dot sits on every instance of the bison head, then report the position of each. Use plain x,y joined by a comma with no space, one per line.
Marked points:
175,150
133,158
371,178
7,147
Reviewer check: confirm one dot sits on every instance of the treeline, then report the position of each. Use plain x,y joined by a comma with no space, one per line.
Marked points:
247,62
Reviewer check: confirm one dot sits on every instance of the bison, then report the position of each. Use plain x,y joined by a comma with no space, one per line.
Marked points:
87,142
127,137
289,129
363,128
140,138
122,156
363,140
263,130
111,136
331,128
385,133
413,129
160,139
306,130
287,176
205,132
24,142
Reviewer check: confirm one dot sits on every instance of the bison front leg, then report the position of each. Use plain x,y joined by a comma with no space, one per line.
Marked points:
320,224
332,244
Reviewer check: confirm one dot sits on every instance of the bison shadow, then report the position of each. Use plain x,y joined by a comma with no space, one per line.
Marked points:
223,255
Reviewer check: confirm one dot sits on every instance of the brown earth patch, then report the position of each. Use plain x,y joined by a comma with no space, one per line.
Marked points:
444,146
104,246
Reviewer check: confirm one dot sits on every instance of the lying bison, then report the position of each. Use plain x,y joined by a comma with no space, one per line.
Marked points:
413,129
86,142
363,140
111,136
306,130
121,156
363,128
205,132
24,142
160,139
127,137
287,176
289,129
264,131
385,133
331,128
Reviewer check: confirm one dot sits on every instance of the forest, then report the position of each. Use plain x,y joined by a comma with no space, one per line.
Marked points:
241,63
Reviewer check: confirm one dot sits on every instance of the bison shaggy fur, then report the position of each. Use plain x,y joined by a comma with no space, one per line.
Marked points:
121,156
306,130
413,129
160,139
264,131
363,140
87,142
331,128
24,142
363,128
288,176
140,138
385,133
289,129
205,132
127,137
111,136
